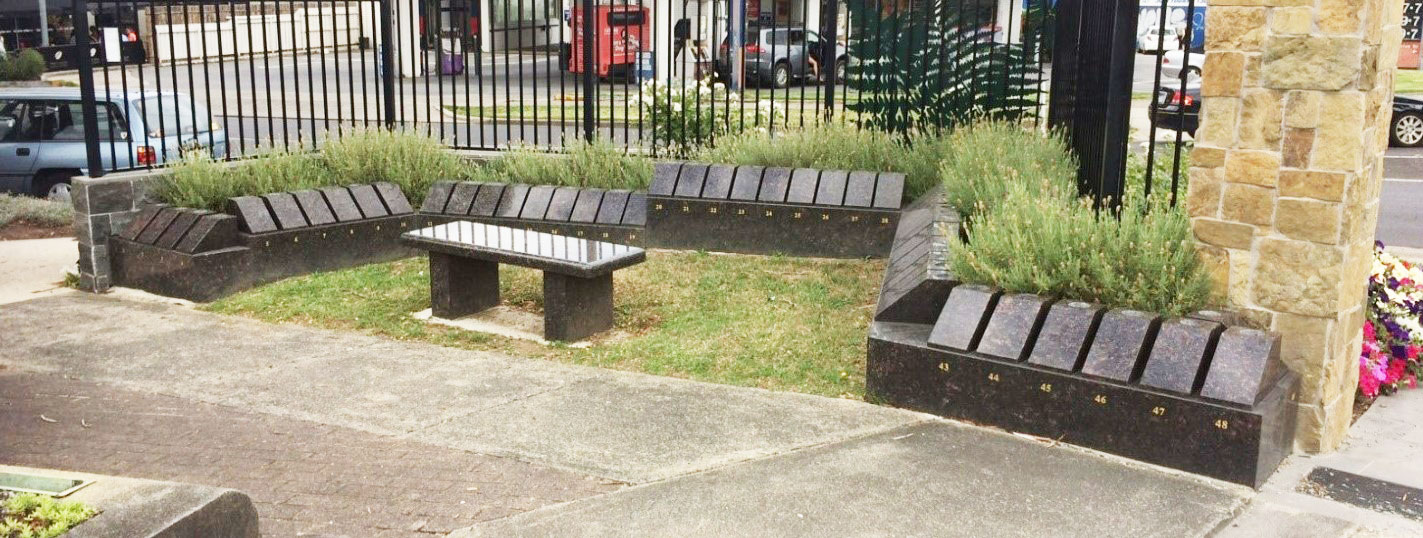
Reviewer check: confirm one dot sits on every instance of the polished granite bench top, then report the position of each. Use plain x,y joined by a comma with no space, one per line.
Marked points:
555,253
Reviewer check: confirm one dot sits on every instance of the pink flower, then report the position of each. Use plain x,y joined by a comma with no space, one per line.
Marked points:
1369,331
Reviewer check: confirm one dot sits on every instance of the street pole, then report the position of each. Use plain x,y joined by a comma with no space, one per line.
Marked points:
590,77
737,35
44,23
86,88
829,25
387,62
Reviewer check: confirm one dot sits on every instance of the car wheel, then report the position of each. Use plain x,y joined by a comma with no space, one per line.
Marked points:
781,75
841,66
52,186
1407,130
1193,71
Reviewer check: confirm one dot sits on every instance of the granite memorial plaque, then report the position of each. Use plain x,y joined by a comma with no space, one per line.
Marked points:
211,232
252,214
158,225
717,185
690,181
585,208
437,197
748,182
831,190
803,184
1123,338
285,209
1177,356
314,206
369,202
965,313
393,197
1012,325
180,226
636,214
136,226
343,206
561,206
536,206
1246,364
1063,341
889,191
614,203
462,198
511,204
664,178
860,189
486,200
774,182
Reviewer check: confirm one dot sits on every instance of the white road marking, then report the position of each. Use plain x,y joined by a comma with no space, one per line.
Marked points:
1402,180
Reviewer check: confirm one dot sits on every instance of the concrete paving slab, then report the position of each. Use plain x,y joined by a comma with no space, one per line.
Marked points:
31,268
1274,521
931,479
666,428
627,426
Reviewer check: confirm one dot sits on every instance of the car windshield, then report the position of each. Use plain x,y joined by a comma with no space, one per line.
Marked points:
174,115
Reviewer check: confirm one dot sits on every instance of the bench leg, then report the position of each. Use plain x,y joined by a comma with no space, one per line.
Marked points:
462,286
575,308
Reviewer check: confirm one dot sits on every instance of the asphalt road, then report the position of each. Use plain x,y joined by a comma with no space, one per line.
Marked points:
1401,202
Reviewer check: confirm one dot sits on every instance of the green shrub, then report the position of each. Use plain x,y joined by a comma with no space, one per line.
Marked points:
30,515
980,162
834,146
24,65
683,118
200,182
36,211
1037,239
408,159
586,164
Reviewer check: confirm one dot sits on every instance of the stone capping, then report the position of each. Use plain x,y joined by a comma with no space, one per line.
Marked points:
103,207
1185,355
542,203
830,188
283,211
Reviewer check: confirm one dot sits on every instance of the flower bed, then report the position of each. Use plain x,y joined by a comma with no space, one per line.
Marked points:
1389,359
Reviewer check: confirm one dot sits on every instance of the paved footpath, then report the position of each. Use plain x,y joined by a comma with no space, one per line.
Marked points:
305,478
325,420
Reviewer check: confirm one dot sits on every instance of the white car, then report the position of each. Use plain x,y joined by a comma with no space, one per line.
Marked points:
1174,61
1157,40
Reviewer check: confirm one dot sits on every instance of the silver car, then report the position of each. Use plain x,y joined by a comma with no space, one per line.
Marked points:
42,135
775,56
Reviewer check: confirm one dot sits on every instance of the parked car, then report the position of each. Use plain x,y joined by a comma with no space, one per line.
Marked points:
1157,40
1173,61
1406,127
778,55
42,135
1177,110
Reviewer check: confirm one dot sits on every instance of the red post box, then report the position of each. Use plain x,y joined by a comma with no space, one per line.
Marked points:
622,32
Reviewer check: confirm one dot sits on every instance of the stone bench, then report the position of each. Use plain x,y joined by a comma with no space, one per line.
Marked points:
577,273
606,215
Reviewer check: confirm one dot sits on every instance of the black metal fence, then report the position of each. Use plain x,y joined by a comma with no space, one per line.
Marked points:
235,78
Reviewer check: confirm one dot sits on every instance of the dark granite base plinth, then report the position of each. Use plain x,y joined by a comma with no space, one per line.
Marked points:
256,259
462,286
575,308
1237,443
749,227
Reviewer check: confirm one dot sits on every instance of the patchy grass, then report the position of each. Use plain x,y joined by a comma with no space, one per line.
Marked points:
1408,81
35,211
25,515
777,323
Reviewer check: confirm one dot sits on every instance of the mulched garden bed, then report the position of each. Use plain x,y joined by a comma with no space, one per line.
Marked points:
24,229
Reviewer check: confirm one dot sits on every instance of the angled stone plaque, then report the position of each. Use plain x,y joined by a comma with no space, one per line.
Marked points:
314,206
636,214
965,313
774,182
369,202
831,190
285,209
860,189
689,183
748,182
536,206
462,198
1011,327
251,213
512,201
664,177
561,206
585,208
1067,331
614,203
436,198
211,232
343,206
136,226
717,185
180,226
393,197
1246,363
889,190
1121,343
1178,354
486,200
802,189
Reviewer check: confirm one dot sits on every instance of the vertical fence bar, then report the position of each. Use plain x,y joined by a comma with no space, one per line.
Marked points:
590,75
387,63
86,89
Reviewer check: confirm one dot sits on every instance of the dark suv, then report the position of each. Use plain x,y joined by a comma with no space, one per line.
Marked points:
778,55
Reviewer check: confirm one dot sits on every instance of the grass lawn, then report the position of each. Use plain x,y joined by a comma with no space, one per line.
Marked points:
1409,81
777,323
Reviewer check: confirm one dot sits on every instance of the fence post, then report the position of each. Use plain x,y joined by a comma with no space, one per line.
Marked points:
86,87
590,76
829,25
1091,89
387,62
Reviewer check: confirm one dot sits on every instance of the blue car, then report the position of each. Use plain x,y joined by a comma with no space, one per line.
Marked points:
42,135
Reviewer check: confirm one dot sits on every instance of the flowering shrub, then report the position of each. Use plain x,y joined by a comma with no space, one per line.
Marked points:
684,117
1392,335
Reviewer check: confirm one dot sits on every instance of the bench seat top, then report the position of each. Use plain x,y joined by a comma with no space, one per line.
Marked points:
559,254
